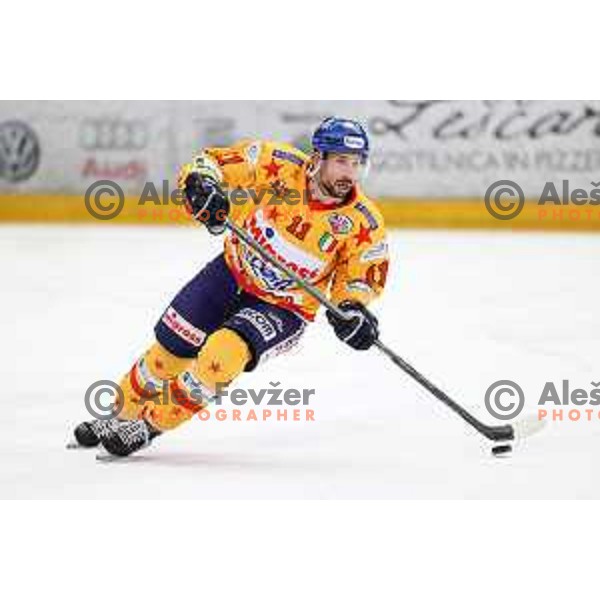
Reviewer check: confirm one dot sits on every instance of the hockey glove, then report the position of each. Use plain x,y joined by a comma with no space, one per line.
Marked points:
206,202
359,331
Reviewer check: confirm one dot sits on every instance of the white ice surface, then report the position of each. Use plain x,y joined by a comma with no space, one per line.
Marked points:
467,309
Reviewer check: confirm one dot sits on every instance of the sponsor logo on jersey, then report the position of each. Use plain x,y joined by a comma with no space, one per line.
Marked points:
288,156
144,376
266,276
271,279
185,330
376,252
259,321
340,224
367,214
253,152
276,319
284,346
192,383
296,259
229,157
327,242
358,285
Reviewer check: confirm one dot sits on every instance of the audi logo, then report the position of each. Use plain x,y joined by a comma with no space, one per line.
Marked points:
113,134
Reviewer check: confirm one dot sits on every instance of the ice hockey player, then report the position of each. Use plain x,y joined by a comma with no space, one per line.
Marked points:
238,311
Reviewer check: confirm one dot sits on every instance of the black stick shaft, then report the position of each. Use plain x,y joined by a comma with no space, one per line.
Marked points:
502,432
497,433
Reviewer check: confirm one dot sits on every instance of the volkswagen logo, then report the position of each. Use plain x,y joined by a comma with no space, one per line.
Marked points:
113,134
19,151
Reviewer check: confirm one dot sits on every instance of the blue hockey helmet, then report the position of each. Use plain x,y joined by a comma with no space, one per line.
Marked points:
343,136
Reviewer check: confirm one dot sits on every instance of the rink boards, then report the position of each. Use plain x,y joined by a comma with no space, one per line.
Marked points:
405,212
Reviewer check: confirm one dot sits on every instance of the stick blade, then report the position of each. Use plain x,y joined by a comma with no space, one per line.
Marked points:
528,426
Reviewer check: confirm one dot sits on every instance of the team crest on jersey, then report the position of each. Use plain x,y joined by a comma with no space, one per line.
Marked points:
340,224
367,214
288,156
327,242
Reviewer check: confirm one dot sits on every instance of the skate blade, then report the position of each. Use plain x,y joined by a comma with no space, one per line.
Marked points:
107,457
73,445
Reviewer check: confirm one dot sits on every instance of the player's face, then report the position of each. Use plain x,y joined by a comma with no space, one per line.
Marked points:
339,173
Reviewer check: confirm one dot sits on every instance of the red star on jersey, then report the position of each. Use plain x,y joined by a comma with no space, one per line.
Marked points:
364,235
273,214
272,169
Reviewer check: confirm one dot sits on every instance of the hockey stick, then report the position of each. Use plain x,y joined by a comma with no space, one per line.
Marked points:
496,433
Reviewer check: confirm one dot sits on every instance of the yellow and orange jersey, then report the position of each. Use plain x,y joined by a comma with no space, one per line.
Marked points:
342,250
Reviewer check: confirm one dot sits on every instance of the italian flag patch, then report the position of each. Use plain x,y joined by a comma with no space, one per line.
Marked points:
327,242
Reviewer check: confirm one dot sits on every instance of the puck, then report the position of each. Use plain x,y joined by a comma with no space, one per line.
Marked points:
501,450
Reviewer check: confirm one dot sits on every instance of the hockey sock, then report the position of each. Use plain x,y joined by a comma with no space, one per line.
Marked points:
221,359
142,386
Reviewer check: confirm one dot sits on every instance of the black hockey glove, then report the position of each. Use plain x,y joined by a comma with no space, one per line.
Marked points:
360,331
206,202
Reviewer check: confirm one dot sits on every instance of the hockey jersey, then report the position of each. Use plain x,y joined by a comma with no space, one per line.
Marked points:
341,249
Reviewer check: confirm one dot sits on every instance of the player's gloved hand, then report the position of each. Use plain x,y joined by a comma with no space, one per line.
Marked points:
206,202
360,331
